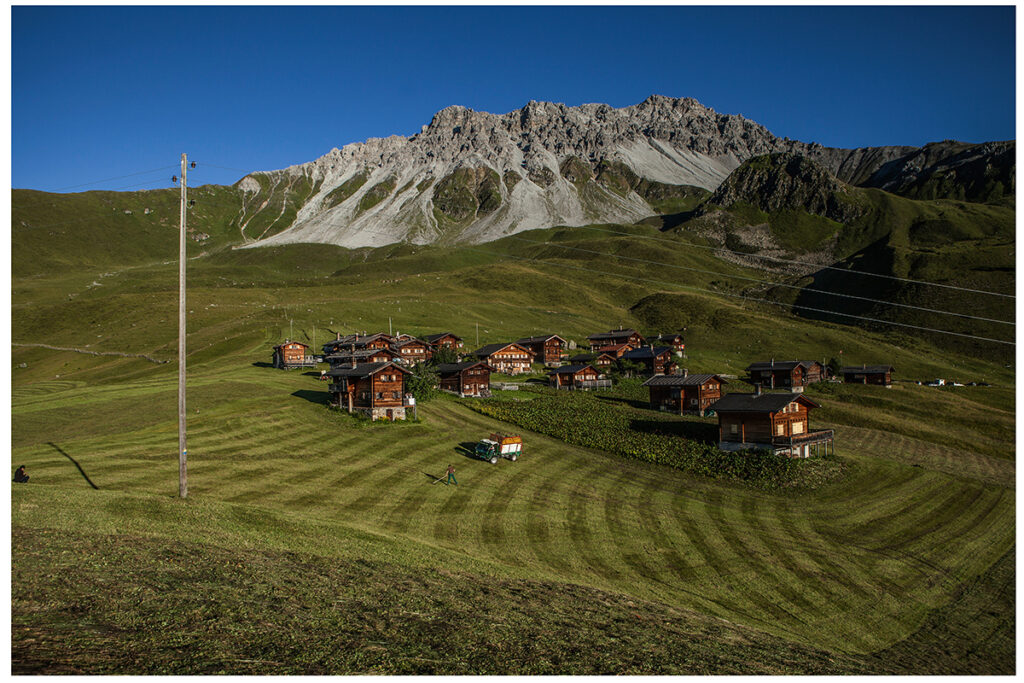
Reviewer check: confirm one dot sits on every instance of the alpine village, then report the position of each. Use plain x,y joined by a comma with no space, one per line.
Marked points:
369,376
387,368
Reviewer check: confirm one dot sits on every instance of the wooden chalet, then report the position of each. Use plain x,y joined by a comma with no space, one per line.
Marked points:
411,351
602,340
617,350
776,421
601,361
547,349
868,374
786,374
293,354
510,359
656,361
576,377
358,342
469,378
446,339
675,341
684,394
346,356
376,390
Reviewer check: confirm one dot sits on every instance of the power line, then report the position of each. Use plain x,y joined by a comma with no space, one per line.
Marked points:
740,296
802,263
767,282
120,177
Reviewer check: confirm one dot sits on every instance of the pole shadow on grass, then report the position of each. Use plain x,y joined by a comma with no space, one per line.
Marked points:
75,463
261,364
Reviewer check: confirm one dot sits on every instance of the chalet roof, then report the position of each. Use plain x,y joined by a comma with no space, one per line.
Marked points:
364,369
613,334
305,346
488,349
537,340
680,380
871,369
780,364
346,355
571,369
431,338
455,368
668,337
615,347
406,342
758,403
646,352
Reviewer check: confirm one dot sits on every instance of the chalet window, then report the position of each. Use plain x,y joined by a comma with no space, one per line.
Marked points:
780,430
380,394
734,428
798,427
394,394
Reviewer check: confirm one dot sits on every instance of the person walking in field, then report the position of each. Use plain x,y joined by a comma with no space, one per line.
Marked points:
20,476
451,475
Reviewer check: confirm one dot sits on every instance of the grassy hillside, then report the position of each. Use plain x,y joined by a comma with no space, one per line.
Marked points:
300,520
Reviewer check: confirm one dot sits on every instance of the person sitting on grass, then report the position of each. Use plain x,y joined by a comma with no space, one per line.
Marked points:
20,476
451,475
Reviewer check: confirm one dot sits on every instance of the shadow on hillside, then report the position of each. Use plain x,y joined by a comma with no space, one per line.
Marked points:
694,431
321,397
633,403
73,462
261,364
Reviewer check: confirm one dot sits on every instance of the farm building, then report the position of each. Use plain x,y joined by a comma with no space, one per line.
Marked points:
446,339
345,356
675,341
469,378
376,390
787,373
411,351
293,354
656,361
601,361
600,341
359,342
868,374
547,349
779,422
578,377
686,393
510,359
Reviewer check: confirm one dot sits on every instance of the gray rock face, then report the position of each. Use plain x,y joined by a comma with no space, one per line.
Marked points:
472,176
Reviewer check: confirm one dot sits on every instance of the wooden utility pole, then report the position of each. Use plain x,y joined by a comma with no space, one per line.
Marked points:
182,450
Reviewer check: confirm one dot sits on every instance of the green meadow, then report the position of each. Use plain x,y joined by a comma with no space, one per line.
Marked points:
314,542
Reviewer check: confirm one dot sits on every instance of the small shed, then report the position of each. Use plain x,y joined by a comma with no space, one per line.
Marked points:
868,374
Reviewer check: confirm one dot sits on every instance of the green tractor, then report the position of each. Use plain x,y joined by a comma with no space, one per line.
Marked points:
499,446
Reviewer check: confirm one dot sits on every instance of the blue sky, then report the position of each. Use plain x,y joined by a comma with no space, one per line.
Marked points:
102,92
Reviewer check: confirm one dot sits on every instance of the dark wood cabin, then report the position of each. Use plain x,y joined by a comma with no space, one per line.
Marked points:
358,342
656,361
674,341
602,340
617,350
469,378
868,374
776,421
577,377
345,356
293,354
684,394
601,361
547,349
510,359
412,351
775,374
446,339
376,390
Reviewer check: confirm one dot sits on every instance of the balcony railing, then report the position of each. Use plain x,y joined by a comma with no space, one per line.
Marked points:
804,439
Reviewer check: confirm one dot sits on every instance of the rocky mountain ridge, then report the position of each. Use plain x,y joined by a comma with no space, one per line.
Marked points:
473,176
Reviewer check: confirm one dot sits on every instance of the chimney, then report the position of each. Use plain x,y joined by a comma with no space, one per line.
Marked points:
339,337
686,373
757,389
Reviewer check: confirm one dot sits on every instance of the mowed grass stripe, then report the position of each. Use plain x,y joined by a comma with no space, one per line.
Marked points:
541,507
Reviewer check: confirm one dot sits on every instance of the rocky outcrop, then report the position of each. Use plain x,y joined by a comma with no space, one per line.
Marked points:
777,182
951,170
473,176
